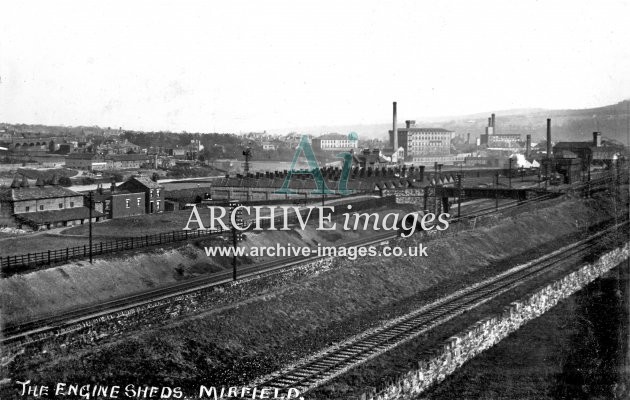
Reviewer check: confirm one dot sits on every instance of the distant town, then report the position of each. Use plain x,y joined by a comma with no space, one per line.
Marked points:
44,169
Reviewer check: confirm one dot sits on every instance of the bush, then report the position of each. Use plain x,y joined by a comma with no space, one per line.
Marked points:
65,181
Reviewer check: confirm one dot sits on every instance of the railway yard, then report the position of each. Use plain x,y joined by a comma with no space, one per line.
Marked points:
164,314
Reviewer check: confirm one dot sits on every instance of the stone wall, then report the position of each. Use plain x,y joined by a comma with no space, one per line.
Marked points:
489,331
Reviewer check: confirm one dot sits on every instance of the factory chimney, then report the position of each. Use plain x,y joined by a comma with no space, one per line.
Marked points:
597,139
493,122
468,138
549,138
528,146
395,130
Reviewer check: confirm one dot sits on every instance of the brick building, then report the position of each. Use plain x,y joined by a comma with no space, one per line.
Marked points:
43,207
422,142
335,142
153,191
120,203
85,161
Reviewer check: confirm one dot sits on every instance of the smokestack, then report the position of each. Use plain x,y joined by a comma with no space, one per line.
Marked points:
493,122
395,130
468,138
597,139
549,138
489,122
528,145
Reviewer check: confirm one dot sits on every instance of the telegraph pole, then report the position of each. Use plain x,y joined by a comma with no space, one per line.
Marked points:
496,189
248,155
510,174
90,204
236,234
459,197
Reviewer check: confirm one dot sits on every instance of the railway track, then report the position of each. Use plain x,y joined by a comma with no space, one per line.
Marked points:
332,362
16,332
13,332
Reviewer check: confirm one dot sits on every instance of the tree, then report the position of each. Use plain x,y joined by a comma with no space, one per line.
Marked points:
155,176
65,181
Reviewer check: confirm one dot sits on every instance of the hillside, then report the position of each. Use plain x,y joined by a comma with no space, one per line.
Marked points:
611,120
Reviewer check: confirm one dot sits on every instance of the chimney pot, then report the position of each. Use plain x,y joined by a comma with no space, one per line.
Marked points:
597,139
528,145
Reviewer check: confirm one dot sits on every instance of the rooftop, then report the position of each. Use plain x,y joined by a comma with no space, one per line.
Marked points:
147,182
67,214
424,130
37,192
332,136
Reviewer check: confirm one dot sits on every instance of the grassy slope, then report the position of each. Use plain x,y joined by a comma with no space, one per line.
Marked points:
304,315
574,351
79,283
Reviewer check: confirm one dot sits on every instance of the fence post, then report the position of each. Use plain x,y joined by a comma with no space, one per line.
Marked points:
67,254
48,257
9,263
132,242
146,237
173,236
28,259
101,248
84,250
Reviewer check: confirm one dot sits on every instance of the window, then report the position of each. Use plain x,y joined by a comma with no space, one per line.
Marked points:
139,199
41,207
157,192
127,201
27,208
72,204
157,205
60,205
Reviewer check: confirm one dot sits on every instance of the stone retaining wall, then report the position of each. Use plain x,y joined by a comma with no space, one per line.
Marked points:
156,312
489,331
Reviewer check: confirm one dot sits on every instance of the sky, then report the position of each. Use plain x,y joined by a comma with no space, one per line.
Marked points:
240,66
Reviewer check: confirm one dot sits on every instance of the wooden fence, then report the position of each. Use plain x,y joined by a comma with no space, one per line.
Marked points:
20,261
12,264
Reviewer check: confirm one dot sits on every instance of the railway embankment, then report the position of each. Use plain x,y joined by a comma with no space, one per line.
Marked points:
489,331
253,327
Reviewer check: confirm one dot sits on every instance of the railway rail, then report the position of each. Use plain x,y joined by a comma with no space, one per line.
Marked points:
19,331
332,362
13,332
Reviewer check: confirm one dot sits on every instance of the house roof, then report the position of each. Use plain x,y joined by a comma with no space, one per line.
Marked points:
424,130
40,192
574,145
144,181
332,136
127,157
83,156
66,214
